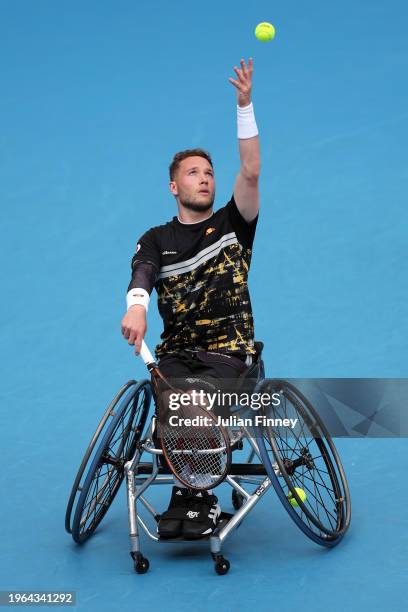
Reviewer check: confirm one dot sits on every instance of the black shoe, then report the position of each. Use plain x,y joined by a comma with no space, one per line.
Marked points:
170,523
201,516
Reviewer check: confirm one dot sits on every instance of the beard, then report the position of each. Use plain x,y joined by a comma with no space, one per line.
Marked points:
197,206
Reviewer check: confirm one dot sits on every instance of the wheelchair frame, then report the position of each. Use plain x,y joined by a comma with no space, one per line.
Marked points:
159,475
125,461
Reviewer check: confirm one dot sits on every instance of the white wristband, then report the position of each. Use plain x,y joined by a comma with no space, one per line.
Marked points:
137,296
247,127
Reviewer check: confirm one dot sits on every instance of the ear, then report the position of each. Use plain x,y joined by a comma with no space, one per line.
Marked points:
173,188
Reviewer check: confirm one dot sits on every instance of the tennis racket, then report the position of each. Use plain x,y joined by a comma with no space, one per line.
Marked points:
196,449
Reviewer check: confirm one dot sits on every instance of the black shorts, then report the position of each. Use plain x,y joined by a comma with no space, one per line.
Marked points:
201,370
201,364
207,371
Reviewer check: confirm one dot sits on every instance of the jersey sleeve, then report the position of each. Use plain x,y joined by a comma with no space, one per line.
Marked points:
147,251
145,263
245,231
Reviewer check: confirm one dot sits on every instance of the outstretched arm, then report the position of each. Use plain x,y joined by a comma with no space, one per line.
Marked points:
246,190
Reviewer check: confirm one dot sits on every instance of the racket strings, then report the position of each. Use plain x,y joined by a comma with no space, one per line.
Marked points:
198,455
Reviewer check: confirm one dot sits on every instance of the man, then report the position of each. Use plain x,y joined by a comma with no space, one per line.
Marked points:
199,264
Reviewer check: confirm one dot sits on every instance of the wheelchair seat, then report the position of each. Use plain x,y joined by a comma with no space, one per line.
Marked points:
256,370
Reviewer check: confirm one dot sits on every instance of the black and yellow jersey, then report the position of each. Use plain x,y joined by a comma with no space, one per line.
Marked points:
201,282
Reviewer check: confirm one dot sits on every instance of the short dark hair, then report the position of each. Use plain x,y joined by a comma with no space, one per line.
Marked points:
187,153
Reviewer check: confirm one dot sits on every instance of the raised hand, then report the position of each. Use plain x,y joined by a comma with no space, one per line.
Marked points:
244,83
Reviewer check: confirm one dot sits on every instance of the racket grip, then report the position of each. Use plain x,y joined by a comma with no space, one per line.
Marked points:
146,354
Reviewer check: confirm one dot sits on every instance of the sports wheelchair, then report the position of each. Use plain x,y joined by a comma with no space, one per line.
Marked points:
302,466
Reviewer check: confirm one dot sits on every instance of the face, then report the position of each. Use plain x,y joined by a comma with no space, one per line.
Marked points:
194,184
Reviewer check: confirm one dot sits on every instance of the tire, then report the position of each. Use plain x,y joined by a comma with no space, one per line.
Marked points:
308,460
118,434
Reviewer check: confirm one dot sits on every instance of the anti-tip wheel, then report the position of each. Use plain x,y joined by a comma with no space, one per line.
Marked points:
222,566
141,565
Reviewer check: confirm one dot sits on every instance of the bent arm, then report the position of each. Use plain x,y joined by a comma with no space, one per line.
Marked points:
141,285
134,323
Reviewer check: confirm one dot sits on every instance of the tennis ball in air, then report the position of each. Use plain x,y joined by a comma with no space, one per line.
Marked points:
301,494
265,31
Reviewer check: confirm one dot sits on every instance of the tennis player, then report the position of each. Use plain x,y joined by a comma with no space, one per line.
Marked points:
198,263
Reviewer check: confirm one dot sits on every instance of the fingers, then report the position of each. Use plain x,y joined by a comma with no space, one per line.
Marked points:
234,82
239,74
134,328
243,82
245,72
133,336
244,68
138,344
136,338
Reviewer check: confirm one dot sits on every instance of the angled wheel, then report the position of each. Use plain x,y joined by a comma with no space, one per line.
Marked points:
102,469
304,467
104,423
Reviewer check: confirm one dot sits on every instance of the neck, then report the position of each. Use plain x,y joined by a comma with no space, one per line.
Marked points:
192,216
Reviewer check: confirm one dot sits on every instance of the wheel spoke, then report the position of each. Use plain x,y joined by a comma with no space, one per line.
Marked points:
121,436
306,461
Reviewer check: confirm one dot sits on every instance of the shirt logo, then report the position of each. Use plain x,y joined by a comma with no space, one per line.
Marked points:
138,247
169,253
209,230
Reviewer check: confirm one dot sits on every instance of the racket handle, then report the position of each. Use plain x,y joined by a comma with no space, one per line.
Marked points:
146,354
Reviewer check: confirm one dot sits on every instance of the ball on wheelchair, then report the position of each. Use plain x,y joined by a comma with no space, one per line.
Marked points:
301,494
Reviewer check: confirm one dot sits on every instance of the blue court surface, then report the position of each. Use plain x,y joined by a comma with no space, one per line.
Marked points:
96,98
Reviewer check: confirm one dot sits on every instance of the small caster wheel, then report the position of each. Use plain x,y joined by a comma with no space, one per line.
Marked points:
141,564
237,500
222,566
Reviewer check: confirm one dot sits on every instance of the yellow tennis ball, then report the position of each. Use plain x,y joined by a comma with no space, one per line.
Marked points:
301,494
265,31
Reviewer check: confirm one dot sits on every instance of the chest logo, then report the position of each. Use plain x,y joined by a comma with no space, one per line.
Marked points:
169,253
209,230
